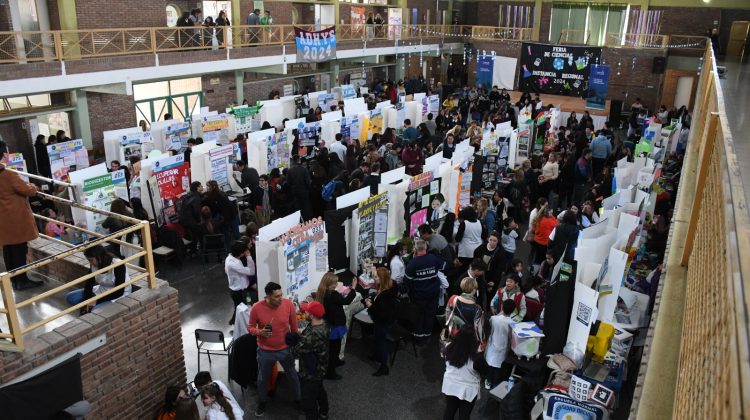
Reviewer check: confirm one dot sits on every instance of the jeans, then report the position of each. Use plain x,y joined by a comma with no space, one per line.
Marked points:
314,399
381,343
14,257
454,404
428,307
76,296
266,360
232,232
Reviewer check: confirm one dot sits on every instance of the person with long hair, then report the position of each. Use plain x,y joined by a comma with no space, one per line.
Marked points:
217,406
99,258
171,397
112,224
395,261
334,303
382,309
238,274
544,223
469,234
222,207
186,409
492,254
464,308
42,157
464,367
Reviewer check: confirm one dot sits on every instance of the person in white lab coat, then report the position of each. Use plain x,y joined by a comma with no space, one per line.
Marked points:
499,342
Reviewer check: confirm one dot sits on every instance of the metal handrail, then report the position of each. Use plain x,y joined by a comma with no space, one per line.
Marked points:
11,308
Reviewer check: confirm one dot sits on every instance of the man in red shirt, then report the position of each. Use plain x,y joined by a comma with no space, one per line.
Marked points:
270,320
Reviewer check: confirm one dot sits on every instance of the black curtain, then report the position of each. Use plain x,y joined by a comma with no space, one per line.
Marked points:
43,395
557,309
337,249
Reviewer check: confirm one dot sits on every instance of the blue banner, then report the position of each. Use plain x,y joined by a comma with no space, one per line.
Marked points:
598,87
315,46
484,72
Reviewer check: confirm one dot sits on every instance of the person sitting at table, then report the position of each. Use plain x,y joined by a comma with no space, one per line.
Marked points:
334,303
99,258
381,306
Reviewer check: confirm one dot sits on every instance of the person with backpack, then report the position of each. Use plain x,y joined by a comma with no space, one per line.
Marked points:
463,309
334,188
512,291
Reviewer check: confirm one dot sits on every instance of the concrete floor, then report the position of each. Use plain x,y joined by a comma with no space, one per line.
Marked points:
736,88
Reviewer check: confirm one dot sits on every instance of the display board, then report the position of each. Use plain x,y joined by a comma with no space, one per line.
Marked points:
308,136
395,20
66,157
348,92
221,165
246,118
279,151
176,136
373,228
215,128
419,194
598,87
137,143
99,192
375,123
17,162
556,69
172,177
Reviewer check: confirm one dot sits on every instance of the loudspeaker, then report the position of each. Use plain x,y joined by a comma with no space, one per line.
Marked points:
660,63
615,113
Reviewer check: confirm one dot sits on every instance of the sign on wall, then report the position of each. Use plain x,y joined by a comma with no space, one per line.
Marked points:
315,46
557,69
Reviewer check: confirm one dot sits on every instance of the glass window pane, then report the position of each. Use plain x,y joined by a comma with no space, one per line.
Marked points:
40,100
18,102
185,85
150,90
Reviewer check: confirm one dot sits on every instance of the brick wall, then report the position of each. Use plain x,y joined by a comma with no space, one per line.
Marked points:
688,20
218,96
64,270
6,24
281,11
126,377
636,82
15,133
258,91
109,112
95,14
54,15
546,22
727,17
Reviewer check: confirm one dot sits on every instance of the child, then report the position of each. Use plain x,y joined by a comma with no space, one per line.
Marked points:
509,238
312,351
511,291
52,229
497,347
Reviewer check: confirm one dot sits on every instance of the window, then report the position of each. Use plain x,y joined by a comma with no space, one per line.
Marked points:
182,98
516,16
25,102
586,23
173,13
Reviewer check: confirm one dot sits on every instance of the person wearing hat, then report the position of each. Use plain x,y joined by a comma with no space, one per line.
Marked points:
312,352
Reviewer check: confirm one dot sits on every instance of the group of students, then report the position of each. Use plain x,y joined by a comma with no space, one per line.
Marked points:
216,401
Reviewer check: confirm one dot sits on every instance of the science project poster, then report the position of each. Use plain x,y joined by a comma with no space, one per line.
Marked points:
373,226
99,192
215,128
176,136
557,69
66,157
173,180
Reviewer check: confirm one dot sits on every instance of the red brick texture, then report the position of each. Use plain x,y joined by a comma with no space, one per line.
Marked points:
109,112
54,15
217,97
688,20
6,24
126,377
95,14
636,82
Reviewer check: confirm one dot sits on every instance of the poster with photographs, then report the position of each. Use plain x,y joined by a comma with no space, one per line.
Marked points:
373,225
66,157
419,196
297,260
99,192
138,144
176,136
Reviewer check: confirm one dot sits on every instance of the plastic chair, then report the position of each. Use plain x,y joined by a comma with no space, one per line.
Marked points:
407,318
210,342
213,245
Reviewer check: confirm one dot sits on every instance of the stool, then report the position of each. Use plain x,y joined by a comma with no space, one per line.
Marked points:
164,252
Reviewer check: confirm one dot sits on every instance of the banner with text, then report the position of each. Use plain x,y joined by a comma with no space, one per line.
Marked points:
557,69
315,46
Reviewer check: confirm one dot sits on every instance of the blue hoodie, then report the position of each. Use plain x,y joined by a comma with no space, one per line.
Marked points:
601,148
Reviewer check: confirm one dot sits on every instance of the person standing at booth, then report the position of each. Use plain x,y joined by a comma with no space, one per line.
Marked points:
20,227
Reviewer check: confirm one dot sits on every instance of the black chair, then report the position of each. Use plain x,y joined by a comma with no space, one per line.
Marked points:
210,342
402,331
213,245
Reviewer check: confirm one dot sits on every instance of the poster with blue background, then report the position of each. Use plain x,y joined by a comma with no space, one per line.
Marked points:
484,72
315,46
598,87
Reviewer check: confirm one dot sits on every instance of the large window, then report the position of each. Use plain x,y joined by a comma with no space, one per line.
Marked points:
586,23
182,98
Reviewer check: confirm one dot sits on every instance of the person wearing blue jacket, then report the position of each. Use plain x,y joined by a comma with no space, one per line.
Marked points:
423,280
601,148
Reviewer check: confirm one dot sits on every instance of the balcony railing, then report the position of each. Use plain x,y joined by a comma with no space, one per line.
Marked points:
699,358
11,307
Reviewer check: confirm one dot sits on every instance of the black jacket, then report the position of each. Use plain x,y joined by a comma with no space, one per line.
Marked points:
565,235
298,180
334,306
383,309
249,178
243,366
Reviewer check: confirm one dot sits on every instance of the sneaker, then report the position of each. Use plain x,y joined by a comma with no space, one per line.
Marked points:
260,410
487,384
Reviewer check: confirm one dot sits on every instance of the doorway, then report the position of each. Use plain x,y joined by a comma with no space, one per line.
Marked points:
737,38
213,7
173,13
679,88
325,16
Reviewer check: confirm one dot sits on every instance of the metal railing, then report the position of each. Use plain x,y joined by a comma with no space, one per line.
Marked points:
615,39
574,36
25,47
699,358
11,307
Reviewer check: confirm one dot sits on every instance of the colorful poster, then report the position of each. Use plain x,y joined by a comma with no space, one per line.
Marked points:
66,157
375,124
99,192
279,151
137,143
315,46
244,118
417,218
308,136
220,169
598,87
350,128
321,256
463,197
395,20
373,226
297,266
433,104
557,69
17,162
172,180
215,128
357,18
176,136
348,92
